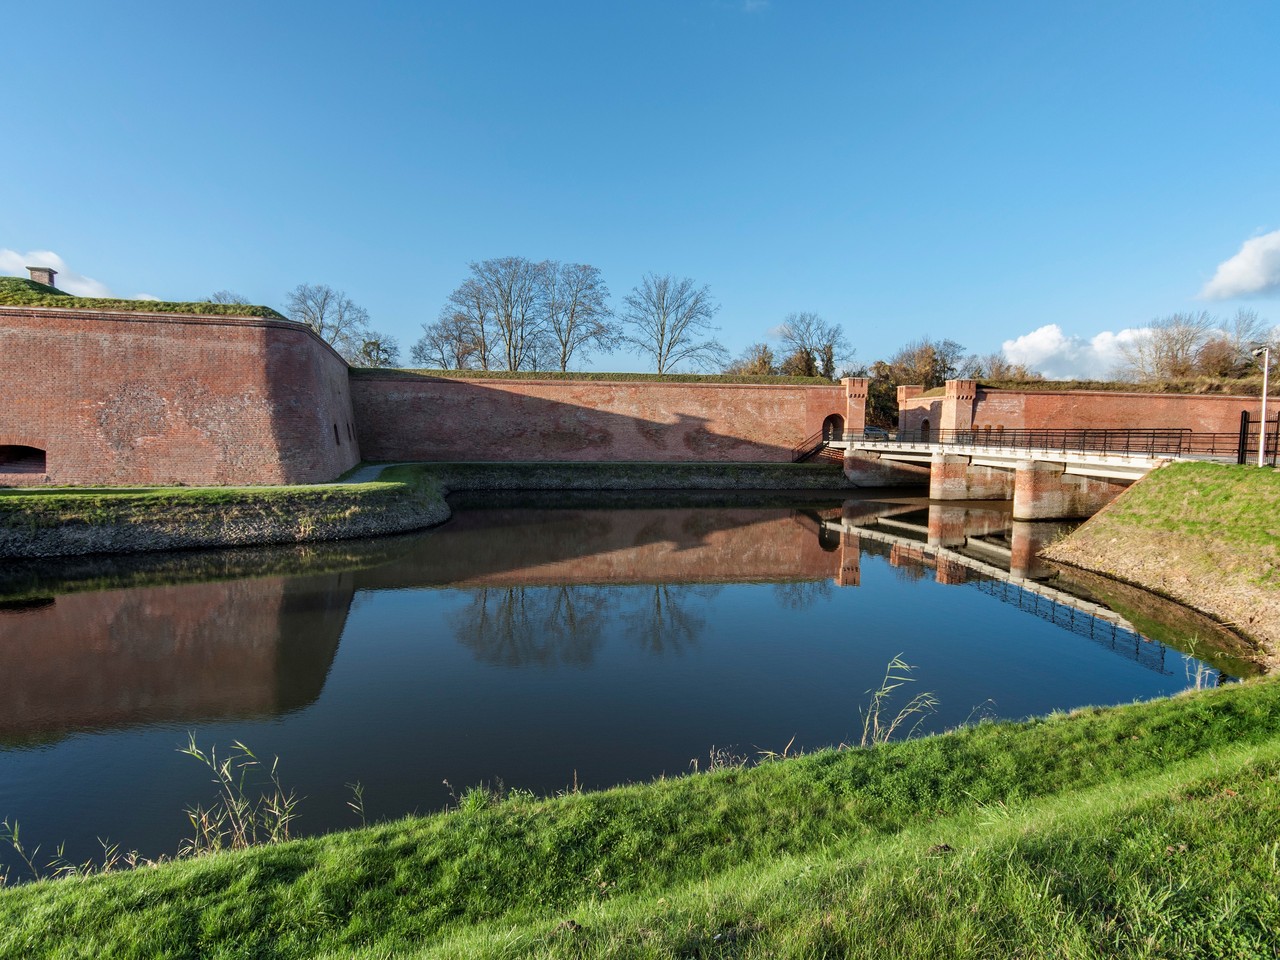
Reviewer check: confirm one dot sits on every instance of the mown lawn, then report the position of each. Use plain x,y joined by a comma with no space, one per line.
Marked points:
1148,830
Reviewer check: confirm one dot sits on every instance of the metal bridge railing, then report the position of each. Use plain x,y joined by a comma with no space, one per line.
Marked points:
1146,442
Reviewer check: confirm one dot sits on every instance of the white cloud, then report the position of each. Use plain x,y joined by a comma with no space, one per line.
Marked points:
13,263
1061,357
145,296
1254,271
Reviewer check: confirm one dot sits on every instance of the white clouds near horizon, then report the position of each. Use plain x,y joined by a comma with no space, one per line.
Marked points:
1061,357
1253,271
13,263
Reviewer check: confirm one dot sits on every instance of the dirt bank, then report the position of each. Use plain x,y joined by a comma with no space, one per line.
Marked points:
1206,535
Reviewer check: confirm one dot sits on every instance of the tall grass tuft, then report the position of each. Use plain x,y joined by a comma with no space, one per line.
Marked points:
877,726
238,820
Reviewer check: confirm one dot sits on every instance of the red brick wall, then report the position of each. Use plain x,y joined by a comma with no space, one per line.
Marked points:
1069,409
136,398
403,417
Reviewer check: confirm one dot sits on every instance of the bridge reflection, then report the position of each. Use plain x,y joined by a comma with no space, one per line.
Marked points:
541,586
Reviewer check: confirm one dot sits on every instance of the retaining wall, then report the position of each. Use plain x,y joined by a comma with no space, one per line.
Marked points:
410,417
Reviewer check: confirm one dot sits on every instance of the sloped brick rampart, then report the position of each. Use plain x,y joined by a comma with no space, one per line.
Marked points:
410,417
137,398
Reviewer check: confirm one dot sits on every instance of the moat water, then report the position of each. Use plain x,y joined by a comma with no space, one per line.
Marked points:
539,644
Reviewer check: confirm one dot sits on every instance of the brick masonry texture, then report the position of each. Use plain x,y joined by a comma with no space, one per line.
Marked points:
1073,409
135,398
421,418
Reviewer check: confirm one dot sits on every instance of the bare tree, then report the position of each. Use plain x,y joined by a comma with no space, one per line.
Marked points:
332,315
924,361
669,320
470,306
1226,351
380,350
447,344
512,288
756,360
1166,348
227,296
813,344
995,366
576,302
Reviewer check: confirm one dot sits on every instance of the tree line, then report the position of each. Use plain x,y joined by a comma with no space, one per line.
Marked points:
1184,346
511,313
515,314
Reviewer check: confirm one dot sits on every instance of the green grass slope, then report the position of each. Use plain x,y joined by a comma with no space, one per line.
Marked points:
1205,534
1148,830
20,292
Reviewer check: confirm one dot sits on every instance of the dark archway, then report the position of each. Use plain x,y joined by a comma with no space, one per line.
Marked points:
15,458
924,430
833,427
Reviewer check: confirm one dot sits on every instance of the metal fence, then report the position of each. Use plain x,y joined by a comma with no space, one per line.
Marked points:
1143,442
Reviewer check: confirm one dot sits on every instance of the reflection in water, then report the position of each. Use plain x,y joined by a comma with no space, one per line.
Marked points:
167,654
801,594
541,588
663,621
524,626
541,646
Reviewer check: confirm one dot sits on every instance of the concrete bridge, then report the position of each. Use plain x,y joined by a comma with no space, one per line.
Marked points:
1047,474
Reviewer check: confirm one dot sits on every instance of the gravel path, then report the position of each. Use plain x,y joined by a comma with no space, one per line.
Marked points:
371,472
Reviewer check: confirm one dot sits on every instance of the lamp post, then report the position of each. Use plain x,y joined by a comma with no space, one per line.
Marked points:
1265,354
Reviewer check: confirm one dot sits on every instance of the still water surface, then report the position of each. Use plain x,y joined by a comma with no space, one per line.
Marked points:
596,643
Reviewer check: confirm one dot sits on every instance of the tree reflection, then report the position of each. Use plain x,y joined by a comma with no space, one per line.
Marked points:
661,622
801,594
533,626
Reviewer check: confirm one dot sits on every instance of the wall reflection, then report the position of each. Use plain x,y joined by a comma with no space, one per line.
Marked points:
93,660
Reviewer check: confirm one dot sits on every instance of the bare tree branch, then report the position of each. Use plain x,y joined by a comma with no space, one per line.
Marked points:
576,301
512,290
814,347
332,315
447,344
668,320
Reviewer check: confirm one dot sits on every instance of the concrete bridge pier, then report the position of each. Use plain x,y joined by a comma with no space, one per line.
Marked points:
956,477
1043,490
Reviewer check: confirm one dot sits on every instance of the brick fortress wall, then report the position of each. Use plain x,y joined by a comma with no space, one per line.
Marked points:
965,406
411,417
136,398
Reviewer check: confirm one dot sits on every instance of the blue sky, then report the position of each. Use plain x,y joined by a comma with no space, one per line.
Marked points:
981,171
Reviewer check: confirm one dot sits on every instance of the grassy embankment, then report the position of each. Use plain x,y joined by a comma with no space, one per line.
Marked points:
1206,535
86,520
1148,830
21,292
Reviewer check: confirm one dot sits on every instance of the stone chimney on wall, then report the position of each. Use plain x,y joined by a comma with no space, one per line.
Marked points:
43,275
